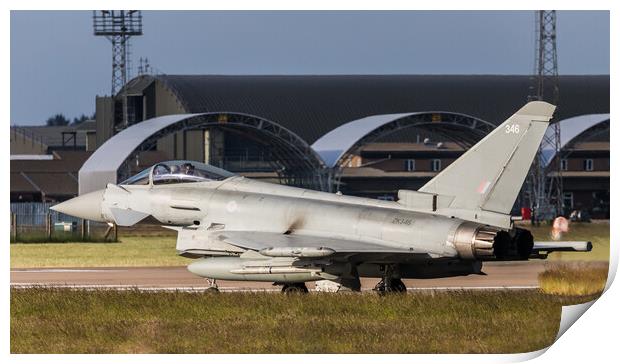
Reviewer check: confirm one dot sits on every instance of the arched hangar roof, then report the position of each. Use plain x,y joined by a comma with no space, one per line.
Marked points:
296,157
313,105
102,166
572,128
335,145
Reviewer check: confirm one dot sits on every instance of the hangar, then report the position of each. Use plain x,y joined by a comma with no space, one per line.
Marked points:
308,108
283,128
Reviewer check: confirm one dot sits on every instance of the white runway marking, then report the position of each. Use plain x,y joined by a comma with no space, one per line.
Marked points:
60,270
470,288
119,287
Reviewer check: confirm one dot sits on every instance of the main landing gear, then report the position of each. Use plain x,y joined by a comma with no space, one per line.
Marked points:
294,288
212,286
389,283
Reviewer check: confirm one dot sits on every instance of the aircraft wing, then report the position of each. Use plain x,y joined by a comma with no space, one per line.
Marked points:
196,242
307,246
283,245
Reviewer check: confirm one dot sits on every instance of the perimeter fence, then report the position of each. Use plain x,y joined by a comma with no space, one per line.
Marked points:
35,222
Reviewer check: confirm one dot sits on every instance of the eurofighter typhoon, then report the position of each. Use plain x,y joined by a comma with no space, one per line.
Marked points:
241,229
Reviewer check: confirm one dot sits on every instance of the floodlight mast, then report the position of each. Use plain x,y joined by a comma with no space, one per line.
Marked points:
118,26
544,189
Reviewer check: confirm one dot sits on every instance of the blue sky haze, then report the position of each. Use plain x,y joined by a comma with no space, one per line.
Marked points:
58,65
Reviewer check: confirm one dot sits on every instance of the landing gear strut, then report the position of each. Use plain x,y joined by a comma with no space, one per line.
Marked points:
389,283
289,288
212,286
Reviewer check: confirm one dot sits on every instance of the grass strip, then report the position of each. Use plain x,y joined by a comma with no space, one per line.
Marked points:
45,320
134,251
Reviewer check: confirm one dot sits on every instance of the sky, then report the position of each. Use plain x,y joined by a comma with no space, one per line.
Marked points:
59,66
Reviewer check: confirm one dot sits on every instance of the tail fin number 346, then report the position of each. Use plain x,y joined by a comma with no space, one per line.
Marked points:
512,129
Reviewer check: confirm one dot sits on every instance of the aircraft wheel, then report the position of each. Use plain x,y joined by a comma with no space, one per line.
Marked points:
398,286
394,286
295,288
212,286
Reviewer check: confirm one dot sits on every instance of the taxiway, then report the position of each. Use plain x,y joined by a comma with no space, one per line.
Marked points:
498,275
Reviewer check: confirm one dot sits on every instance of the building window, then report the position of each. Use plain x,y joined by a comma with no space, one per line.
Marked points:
410,165
568,200
564,164
436,165
588,165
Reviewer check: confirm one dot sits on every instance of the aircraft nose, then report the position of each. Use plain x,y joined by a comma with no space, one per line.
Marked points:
86,206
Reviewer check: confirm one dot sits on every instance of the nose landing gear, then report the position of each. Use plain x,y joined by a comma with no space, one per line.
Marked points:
212,286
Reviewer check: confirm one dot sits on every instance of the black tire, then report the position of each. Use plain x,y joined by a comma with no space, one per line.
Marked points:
398,286
294,289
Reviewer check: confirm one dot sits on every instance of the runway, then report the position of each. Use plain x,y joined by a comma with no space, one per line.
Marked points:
498,275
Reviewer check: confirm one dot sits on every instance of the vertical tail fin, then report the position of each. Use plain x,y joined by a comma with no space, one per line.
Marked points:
488,177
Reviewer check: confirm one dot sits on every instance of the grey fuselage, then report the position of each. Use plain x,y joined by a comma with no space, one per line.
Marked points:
241,204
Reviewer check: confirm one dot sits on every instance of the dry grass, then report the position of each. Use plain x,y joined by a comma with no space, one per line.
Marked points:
66,321
577,279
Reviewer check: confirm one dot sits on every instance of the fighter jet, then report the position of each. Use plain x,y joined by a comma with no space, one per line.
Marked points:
242,229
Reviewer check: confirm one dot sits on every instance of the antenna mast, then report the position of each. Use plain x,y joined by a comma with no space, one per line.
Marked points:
545,179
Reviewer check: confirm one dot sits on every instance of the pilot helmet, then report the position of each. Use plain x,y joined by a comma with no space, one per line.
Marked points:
187,168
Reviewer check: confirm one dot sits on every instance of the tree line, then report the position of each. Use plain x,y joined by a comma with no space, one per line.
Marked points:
62,120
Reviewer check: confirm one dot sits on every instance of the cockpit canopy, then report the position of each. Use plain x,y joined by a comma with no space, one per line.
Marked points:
178,172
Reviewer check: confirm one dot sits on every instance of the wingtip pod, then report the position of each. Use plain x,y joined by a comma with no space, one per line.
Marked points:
537,110
566,246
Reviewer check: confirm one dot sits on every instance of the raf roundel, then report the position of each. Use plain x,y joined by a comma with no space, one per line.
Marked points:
231,206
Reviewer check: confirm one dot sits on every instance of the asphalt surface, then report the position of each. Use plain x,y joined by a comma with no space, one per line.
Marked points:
498,275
